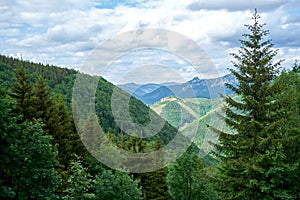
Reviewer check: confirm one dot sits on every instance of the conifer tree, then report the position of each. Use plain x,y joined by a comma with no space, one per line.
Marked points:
22,92
41,102
27,160
155,183
51,110
253,157
296,67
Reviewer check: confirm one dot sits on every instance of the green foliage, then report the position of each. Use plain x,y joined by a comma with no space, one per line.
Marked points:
296,67
22,92
254,161
290,84
41,104
79,182
116,186
28,159
155,183
186,177
46,96
95,181
176,115
54,75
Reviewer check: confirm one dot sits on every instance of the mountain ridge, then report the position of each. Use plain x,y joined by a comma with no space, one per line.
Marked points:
194,88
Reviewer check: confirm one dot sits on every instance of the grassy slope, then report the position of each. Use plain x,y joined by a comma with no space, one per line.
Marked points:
203,111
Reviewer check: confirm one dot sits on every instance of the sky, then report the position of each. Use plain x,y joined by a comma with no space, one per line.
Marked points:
70,33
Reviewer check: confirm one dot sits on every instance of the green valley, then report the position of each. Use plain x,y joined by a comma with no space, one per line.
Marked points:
192,117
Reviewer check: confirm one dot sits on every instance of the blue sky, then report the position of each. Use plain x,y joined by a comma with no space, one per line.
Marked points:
66,32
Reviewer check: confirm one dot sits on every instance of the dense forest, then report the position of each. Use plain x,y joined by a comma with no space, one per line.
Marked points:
42,155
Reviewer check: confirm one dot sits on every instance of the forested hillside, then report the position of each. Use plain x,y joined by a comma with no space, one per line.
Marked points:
36,108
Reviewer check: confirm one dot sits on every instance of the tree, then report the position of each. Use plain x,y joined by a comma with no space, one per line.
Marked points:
184,177
79,182
290,83
116,186
27,160
296,67
41,102
155,183
253,157
22,92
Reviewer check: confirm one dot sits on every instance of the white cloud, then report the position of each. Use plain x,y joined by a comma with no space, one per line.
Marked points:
64,32
234,5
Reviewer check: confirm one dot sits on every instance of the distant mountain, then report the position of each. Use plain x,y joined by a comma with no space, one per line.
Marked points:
195,88
130,87
139,90
157,95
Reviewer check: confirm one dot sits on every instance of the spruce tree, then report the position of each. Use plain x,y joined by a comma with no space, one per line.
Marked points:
28,159
51,110
42,105
296,67
22,91
155,183
59,126
253,157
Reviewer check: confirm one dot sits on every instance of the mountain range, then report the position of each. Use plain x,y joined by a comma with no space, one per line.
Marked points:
196,88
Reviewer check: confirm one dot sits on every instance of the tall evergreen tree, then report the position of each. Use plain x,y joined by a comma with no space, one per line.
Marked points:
42,105
52,112
27,160
253,157
22,92
155,183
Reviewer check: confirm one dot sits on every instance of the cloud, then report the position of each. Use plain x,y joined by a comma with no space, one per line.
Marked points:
65,32
234,5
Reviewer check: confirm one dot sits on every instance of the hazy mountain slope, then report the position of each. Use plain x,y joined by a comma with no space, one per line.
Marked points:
200,88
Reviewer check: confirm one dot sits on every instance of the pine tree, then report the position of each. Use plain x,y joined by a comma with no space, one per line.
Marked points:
22,92
89,134
51,110
253,157
53,113
155,183
296,67
28,159
42,105
59,126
